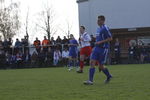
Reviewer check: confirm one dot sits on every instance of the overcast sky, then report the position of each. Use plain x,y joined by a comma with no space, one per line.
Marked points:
66,11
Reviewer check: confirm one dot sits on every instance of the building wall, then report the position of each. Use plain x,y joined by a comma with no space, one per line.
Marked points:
119,13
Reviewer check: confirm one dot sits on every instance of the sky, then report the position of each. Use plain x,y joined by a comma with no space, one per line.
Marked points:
66,11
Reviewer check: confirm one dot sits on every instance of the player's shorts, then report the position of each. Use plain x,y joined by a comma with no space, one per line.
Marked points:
73,54
86,51
99,54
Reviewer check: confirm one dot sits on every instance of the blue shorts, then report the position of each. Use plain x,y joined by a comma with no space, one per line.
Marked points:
73,54
99,54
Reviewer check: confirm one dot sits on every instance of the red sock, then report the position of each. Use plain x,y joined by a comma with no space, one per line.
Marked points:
81,65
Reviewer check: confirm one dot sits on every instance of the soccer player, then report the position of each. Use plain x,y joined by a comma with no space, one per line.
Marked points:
100,51
86,49
73,52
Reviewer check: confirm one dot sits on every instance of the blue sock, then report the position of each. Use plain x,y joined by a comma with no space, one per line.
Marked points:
91,74
106,72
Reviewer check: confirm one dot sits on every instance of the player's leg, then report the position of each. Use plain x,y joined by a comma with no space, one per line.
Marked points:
91,73
93,59
82,57
102,60
70,63
84,53
76,65
106,72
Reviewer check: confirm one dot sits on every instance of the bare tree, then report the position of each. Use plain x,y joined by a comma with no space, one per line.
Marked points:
47,21
68,29
9,20
27,19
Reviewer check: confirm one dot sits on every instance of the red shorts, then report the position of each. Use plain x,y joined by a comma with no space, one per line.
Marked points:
86,51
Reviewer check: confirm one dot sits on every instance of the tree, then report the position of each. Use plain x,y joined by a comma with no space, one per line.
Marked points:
9,19
47,21
67,30
27,18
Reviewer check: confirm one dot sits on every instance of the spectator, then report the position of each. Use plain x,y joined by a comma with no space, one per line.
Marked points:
58,40
65,42
22,45
34,58
2,59
117,51
58,43
5,45
143,54
37,44
27,58
1,45
19,59
53,42
13,61
17,45
57,57
7,59
45,44
50,57
131,53
10,46
25,44
41,58
138,51
65,56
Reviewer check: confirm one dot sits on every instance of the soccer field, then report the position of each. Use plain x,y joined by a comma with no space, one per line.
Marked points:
130,82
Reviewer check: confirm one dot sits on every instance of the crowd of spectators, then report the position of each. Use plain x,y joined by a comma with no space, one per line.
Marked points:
38,54
139,54
136,53
56,52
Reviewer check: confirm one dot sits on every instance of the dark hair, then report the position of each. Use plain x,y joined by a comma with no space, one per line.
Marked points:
83,27
101,17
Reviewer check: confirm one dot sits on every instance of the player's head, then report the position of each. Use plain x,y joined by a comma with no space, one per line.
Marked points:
71,36
82,29
101,20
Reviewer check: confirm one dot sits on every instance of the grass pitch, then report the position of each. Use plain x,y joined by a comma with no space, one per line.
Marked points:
130,82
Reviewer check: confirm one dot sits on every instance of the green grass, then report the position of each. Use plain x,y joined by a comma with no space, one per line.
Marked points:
130,82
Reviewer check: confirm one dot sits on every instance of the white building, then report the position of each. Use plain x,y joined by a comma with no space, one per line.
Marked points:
118,13
129,20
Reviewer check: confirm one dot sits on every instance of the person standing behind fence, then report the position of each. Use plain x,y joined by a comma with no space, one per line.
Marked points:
117,51
37,44
17,45
10,45
1,45
57,57
131,53
58,43
45,44
65,56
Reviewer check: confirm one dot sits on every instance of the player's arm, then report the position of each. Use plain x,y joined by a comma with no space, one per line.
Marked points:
86,38
103,41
